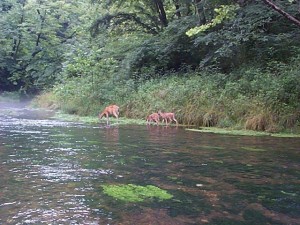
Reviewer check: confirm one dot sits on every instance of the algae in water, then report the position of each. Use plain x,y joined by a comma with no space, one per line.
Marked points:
135,193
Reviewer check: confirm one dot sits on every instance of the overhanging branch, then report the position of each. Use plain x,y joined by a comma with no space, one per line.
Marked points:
117,19
282,12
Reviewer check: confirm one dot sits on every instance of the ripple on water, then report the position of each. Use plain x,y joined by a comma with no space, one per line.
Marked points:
75,215
14,122
67,173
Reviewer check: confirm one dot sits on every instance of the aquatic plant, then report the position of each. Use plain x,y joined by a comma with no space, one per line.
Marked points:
135,193
252,149
216,130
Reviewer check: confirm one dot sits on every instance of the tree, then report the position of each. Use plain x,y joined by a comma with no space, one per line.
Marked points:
38,31
161,12
150,15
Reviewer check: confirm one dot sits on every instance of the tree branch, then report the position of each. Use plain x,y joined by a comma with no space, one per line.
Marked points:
116,19
282,12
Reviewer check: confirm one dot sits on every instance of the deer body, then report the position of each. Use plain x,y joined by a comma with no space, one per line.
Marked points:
110,110
154,117
168,117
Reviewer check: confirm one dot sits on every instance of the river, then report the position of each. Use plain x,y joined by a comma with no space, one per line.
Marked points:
53,172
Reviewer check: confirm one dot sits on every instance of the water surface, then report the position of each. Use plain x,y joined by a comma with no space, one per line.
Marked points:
51,172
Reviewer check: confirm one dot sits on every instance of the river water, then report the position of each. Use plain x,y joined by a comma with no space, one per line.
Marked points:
52,172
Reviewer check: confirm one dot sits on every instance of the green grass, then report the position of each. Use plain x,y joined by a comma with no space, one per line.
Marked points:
95,119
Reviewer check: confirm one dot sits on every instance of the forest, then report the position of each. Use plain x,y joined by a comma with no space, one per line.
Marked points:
222,63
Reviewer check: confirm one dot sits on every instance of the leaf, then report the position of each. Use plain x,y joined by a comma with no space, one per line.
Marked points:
224,12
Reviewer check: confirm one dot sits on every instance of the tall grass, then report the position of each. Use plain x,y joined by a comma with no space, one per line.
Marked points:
247,98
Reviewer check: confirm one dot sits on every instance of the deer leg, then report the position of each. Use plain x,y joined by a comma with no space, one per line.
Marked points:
116,115
107,118
176,122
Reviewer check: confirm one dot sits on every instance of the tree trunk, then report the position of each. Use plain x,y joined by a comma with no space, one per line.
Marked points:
42,17
17,42
177,7
161,12
199,10
178,14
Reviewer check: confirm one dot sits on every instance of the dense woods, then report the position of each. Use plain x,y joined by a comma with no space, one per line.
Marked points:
219,63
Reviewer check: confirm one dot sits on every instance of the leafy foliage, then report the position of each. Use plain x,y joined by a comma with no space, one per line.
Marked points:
224,12
41,38
34,35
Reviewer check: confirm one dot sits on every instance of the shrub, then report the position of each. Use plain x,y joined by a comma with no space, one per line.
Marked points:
46,100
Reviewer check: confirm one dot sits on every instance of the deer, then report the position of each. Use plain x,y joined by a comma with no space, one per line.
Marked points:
168,117
110,110
154,117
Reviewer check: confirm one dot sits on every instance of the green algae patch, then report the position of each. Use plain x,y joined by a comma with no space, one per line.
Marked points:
216,130
229,131
135,193
289,135
253,149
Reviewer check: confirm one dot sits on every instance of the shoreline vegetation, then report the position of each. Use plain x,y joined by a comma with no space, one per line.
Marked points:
214,130
59,115
246,100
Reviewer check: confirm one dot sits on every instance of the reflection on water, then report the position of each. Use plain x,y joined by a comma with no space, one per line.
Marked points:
51,172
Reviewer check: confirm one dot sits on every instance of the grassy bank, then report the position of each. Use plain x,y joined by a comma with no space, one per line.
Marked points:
215,130
249,98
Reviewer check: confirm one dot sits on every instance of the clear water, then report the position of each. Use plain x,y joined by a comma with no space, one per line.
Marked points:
51,172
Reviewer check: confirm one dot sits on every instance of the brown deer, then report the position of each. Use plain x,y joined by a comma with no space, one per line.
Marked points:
154,117
110,110
168,117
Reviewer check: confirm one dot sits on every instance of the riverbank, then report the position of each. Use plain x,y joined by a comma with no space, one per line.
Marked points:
246,99
193,117
215,130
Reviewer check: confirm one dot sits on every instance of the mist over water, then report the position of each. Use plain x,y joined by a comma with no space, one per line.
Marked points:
52,172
